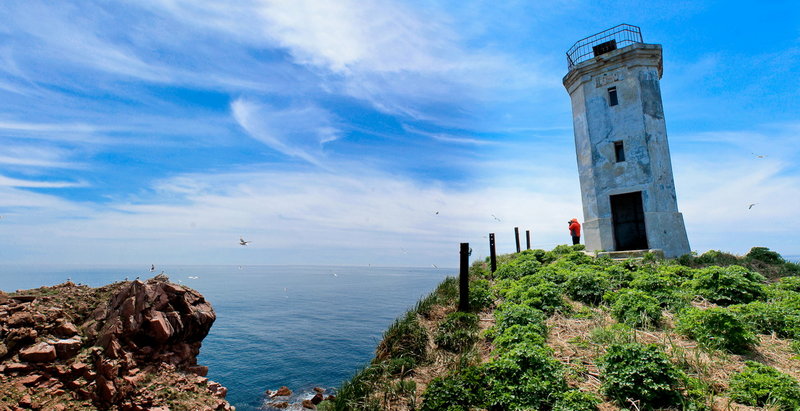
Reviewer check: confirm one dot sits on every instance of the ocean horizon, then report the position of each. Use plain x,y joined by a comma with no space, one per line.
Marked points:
298,326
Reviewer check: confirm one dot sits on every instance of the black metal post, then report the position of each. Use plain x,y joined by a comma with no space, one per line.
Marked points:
528,238
463,279
492,252
516,235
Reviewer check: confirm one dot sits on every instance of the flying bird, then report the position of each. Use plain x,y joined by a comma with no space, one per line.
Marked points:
434,266
759,155
437,213
152,267
495,217
242,242
751,206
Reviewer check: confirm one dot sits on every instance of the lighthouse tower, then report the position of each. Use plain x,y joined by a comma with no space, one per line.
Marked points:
624,165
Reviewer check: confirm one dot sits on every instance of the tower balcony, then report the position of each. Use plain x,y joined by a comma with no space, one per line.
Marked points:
603,42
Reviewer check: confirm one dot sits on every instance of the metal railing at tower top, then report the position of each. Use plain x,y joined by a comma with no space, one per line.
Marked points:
604,41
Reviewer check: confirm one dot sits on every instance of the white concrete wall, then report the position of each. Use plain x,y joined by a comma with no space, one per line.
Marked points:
637,121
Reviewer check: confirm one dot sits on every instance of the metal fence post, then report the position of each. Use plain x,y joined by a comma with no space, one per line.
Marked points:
528,238
516,235
492,253
463,279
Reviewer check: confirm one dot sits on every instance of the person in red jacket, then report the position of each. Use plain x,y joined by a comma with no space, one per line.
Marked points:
575,231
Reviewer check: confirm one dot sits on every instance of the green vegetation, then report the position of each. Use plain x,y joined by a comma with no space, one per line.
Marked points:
457,332
635,308
642,374
760,385
574,332
717,328
728,285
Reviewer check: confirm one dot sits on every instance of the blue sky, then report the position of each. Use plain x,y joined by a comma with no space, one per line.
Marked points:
367,132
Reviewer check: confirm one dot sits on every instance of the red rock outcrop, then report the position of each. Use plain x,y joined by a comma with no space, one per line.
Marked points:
130,338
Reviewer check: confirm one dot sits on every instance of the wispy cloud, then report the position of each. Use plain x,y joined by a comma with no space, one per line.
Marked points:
298,131
448,138
14,182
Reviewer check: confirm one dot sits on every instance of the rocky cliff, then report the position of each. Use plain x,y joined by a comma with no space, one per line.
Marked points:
125,346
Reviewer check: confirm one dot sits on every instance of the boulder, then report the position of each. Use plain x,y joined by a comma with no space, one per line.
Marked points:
319,389
20,319
308,404
65,329
280,404
105,389
67,348
317,399
41,352
17,368
3,350
282,392
200,370
30,379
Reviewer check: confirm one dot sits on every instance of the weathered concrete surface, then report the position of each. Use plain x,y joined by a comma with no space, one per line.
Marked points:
637,121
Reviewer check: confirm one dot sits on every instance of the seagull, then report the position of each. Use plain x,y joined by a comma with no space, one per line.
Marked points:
404,250
335,275
751,206
759,156
242,242
495,217
434,266
437,213
152,268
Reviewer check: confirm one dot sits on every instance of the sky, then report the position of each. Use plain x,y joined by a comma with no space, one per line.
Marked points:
367,132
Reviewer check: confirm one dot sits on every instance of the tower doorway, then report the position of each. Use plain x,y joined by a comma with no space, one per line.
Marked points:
627,216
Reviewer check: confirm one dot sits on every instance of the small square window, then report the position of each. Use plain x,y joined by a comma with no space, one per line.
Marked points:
612,96
619,151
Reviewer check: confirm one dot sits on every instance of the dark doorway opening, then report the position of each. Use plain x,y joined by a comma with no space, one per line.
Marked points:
627,216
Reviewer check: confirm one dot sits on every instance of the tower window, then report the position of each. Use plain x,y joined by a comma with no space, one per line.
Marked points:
612,96
619,151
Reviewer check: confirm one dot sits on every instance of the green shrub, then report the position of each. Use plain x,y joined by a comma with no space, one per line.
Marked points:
716,257
522,266
525,377
777,317
717,328
480,295
788,284
405,338
456,392
509,314
765,255
640,373
587,285
519,334
535,292
576,400
457,332
636,308
619,275
664,285
728,285
760,385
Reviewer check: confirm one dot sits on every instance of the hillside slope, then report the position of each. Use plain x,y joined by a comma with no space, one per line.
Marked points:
563,330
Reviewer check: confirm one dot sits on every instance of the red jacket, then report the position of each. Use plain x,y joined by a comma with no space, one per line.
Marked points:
575,228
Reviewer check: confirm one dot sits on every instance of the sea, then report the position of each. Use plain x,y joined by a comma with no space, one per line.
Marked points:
295,326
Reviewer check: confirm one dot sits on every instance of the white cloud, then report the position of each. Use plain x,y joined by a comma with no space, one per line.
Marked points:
14,182
298,131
